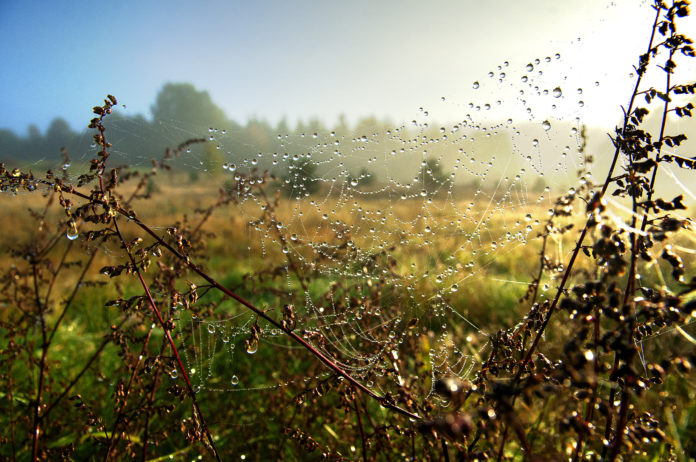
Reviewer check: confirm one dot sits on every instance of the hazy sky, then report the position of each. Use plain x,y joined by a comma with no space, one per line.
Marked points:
307,58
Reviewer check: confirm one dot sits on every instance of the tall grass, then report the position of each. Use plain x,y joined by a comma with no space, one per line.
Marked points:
95,358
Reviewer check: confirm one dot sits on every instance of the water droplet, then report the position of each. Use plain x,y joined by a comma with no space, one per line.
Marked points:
454,288
72,232
252,347
530,67
546,125
211,328
234,380
557,92
476,85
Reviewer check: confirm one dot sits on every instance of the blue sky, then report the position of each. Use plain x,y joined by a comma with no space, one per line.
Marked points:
301,59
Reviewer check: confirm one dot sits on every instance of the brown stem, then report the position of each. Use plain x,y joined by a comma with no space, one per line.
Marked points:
113,440
77,378
445,451
54,274
42,367
628,302
589,413
360,425
261,313
331,364
151,401
605,186
170,340
12,415
70,299
502,443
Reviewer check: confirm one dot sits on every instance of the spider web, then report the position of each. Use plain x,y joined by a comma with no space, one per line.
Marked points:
430,213
447,203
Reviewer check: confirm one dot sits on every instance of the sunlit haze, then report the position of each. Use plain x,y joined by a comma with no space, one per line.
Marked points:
311,59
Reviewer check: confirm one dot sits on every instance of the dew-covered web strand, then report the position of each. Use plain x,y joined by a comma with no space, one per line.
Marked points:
497,157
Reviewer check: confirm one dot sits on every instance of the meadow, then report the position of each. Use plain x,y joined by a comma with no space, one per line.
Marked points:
157,314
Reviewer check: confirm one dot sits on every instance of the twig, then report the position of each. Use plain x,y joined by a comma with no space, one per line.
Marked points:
167,334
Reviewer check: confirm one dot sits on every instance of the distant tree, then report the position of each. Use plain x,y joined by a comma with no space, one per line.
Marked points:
10,145
433,178
301,180
260,136
368,126
183,103
364,178
212,159
59,135
300,128
34,143
342,128
33,133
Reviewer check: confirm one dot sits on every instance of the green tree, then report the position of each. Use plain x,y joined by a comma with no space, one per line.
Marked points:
183,103
433,178
59,135
212,159
364,178
10,144
301,180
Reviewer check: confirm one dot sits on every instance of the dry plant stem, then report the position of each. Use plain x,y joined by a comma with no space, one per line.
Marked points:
360,425
284,438
70,299
179,363
151,401
293,266
628,302
45,341
54,274
113,439
253,308
12,415
275,323
445,451
42,367
583,234
589,413
502,444
77,378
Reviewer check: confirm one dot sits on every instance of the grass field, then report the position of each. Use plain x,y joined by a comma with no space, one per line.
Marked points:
284,401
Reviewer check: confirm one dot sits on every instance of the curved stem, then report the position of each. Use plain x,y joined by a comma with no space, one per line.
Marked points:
168,336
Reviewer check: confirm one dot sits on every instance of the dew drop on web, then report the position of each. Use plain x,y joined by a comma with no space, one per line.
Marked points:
72,232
